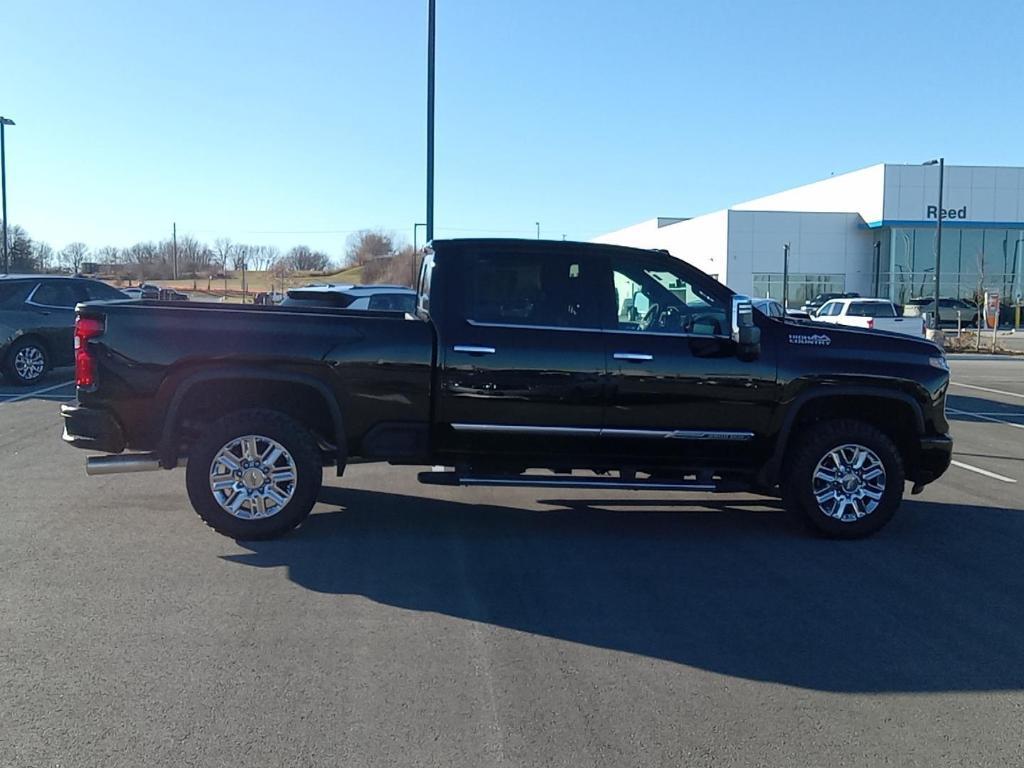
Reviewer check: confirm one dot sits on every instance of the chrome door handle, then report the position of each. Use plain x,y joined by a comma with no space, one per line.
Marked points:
471,350
634,357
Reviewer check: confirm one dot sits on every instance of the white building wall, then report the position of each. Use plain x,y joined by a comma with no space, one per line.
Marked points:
989,194
701,241
820,243
856,192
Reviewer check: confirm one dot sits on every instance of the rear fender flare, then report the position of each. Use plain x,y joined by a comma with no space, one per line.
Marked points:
169,432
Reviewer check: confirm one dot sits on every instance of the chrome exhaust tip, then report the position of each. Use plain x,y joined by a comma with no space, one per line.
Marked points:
129,462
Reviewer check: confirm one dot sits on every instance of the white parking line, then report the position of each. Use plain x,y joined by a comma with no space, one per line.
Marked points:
984,472
986,389
982,416
44,390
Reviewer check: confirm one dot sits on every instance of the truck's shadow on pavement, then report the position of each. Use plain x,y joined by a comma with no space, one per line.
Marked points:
933,603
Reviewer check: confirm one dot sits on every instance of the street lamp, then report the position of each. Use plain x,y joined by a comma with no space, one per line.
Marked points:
538,229
941,162
4,122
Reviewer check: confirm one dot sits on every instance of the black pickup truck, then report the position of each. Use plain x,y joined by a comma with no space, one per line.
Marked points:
526,363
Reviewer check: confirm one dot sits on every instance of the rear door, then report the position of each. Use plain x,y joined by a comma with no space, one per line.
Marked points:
521,354
50,314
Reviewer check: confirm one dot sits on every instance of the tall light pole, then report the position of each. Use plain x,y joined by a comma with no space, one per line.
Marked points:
538,229
4,122
941,162
430,120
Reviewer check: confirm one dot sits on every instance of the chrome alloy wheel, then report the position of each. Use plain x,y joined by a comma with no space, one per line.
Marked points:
29,363
253,477
848,482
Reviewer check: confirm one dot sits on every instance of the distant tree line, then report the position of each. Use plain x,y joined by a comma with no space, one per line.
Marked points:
156,260
383,256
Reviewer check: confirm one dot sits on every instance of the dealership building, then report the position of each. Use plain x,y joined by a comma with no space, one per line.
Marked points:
871,231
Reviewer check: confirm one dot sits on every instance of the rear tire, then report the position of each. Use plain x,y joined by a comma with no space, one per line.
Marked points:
26,362
824,489
254,474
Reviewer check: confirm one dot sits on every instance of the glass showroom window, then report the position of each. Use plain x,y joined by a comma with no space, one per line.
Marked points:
803,286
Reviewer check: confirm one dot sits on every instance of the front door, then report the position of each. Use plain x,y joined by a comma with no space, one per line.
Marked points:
523,366
677,389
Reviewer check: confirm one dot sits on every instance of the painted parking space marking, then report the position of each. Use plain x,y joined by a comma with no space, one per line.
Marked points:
37,392
985,418
986,389
980,471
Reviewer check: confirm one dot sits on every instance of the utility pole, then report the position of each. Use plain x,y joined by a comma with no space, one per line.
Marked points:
785,277
4,122
430,120
174,236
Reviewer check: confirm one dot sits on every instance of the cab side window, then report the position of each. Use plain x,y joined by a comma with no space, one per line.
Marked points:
531,289
659,298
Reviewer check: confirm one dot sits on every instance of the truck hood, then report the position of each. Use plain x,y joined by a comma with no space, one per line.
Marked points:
851,338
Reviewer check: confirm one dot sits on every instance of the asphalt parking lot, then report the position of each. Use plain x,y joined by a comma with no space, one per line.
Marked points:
407,625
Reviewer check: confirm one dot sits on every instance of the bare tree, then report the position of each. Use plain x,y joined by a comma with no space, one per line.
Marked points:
73,255
42,255
265,256
224,249
108,254
302,259
368,244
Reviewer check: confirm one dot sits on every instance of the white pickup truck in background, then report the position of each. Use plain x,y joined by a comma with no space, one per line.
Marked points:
873,314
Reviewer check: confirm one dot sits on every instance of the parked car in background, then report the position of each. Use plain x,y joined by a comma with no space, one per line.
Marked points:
169,294
872,314
377,297
770,307
150,291
812,306
132,293
949,309
37,321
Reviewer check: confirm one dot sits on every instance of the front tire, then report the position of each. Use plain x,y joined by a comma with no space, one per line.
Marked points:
254,474
26,363
844,479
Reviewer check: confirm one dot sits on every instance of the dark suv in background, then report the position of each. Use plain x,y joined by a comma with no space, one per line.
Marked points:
37,321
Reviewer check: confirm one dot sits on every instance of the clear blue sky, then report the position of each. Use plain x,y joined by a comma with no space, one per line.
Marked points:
276,122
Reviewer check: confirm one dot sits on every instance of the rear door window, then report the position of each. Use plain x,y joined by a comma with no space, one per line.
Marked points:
532,289
55,293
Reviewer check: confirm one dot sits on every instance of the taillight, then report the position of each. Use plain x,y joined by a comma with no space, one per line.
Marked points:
871,323
85,362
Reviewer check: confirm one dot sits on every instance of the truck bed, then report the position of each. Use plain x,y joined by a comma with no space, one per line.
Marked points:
151,353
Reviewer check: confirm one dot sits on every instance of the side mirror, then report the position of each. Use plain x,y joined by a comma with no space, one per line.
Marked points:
746,335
